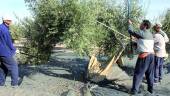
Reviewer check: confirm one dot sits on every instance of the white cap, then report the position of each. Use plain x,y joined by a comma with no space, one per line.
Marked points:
6,17
158,24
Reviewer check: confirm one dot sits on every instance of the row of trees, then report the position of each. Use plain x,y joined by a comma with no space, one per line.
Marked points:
82,25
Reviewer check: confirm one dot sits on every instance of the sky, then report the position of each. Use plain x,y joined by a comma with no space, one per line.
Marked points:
12,8
152,8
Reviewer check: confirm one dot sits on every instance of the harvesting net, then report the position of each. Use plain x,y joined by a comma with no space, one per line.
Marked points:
100,68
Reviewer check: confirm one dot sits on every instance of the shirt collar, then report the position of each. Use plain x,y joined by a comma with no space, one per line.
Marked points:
6,25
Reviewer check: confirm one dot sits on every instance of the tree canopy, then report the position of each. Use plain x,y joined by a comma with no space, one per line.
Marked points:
85,26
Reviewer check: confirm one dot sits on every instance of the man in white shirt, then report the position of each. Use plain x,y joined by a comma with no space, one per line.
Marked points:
145,61
160,40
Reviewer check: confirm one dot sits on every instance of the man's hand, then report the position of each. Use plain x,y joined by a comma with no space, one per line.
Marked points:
129,21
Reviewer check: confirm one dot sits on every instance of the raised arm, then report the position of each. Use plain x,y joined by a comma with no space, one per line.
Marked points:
130,31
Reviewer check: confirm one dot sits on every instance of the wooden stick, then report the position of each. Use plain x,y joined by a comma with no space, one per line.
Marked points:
113,61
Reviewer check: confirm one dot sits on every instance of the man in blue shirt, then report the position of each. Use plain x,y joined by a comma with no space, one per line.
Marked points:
7,52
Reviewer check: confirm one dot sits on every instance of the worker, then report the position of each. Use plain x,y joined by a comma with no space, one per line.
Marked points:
145,61
160,40
7,53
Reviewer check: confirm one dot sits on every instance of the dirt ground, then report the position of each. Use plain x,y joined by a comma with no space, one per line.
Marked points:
65,72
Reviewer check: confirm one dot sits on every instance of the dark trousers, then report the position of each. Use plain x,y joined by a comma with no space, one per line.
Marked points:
144,66
158,68
8,64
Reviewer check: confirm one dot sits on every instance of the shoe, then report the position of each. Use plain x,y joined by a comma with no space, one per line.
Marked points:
156,83
133,93
16,86
149,94
2,86
160,80
144,81
150,91
20,81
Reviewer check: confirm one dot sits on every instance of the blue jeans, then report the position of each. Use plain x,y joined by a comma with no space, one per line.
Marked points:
8,64
158,68
144,66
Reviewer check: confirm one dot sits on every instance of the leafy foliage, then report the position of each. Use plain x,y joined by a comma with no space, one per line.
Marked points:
86,26
166,23
16,31
92,34
166,27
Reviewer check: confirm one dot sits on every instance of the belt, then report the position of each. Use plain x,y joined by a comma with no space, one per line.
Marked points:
144,54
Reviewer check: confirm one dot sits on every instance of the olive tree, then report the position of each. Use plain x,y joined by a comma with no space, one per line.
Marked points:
166,26
85,26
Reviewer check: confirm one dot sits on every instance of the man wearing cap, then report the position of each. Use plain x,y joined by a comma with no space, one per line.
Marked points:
160,40
7,52
158,27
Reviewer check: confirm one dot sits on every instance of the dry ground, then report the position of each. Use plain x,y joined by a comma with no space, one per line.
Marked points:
65,72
